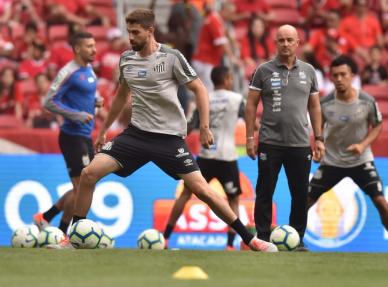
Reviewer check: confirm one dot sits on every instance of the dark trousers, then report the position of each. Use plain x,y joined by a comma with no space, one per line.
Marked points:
297,164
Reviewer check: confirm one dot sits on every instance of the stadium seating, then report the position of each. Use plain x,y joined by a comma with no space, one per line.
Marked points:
285,16
58,33
282,4
379,92
99,32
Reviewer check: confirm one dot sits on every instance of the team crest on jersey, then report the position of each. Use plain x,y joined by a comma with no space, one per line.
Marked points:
160,68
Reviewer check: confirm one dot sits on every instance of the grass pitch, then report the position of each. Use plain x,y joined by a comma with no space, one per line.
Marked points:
127,267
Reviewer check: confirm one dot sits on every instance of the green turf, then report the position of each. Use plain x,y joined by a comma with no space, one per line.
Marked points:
123,267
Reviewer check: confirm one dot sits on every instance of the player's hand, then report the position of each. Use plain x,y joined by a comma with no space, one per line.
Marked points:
357,149
206,137
319,151
251,148
85,117
100,140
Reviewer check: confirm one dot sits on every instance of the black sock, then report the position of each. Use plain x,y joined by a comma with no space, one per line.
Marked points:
50,214
246,236
76,218
64,226
168,231
231,236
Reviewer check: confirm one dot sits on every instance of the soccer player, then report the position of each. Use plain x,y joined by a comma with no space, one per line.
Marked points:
73,95
352,122
220,161
288,89
150,74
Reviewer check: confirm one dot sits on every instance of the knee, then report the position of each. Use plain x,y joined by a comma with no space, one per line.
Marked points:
89,175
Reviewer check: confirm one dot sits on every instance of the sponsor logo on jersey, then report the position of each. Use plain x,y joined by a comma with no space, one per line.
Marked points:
142,74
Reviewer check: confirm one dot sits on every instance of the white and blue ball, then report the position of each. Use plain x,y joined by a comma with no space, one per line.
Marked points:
285,237
106,240
85,234
49,236
25,237
151,239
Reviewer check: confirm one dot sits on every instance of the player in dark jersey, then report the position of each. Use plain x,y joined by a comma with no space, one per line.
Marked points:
150,75
73,95
352,122
220,161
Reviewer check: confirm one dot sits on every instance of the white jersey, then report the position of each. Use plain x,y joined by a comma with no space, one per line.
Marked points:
225,109
153,82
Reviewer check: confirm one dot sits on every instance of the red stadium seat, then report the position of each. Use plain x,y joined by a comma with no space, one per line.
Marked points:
106,3
99,32
58,33
379,92
291,4
27,86
285,16
10,121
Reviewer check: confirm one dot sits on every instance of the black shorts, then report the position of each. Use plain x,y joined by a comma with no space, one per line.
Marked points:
365,176
133,148
226,172
78,152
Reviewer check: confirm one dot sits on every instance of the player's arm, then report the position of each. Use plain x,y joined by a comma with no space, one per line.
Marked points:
202,102
119,101
53,101
373,134
250,119
376,122
314,108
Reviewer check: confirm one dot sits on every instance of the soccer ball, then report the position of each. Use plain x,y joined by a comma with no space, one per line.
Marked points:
85,234
106,241
50,235
285,237
25,236
150,239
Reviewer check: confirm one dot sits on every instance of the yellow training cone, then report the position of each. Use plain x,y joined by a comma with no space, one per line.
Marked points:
190,273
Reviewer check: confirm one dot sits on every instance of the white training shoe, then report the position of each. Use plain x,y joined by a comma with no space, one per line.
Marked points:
257,244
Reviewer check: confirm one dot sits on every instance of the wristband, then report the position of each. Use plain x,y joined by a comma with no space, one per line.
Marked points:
250,138
319,138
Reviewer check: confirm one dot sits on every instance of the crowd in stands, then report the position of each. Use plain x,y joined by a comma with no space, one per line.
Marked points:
34,43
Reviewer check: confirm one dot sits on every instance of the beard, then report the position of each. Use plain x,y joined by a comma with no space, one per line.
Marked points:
137,46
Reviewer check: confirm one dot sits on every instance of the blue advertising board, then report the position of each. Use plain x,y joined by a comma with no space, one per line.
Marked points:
343,220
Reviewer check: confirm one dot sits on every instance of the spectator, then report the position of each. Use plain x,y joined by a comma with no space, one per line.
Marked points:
329,42
31,34
37,116
107,60
374,73
35,64
184,25
62,53
79,12
5,11
212,46
257,46
362,26
25,11
11,99
314,12
247,9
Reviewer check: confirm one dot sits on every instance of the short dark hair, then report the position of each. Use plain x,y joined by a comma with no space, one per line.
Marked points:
143,17
78,37
345,60
218,75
